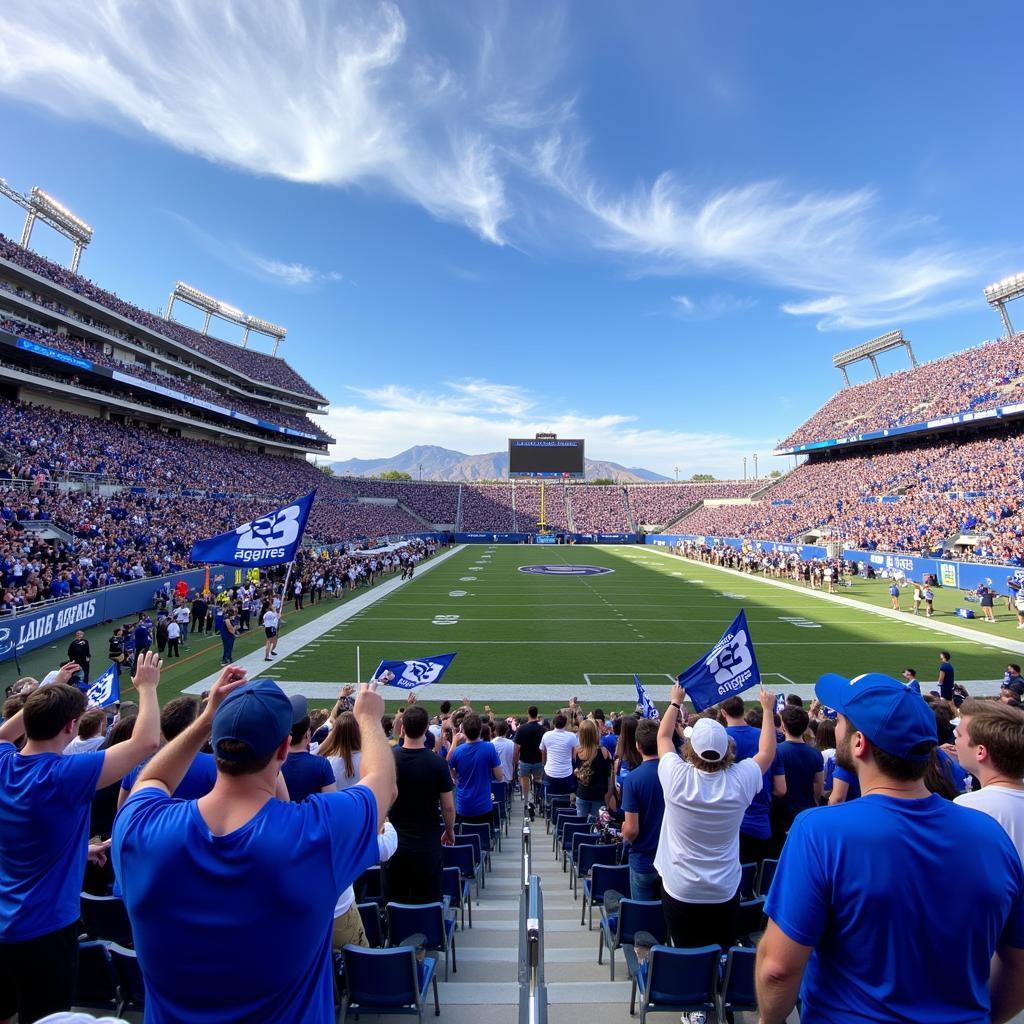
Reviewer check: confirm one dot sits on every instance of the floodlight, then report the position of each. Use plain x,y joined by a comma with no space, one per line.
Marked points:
57,211
1009,288
265,327
869,349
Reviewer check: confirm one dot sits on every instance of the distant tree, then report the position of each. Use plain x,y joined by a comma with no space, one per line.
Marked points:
602,480
395,474
702,478
326,469
775,474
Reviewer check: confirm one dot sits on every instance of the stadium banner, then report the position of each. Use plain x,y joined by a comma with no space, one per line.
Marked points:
270,540
966,576
492,538
29,630
727,669
804,551
1002,412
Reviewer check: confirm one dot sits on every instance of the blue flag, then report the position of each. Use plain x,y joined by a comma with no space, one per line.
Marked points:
410,674
269,540
644,702
727,669
104,689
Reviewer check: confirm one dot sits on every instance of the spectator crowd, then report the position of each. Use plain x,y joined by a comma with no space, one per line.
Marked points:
204,819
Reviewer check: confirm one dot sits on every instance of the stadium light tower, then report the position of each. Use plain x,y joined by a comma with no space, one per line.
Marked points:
999,294
868,350
41,205
215,307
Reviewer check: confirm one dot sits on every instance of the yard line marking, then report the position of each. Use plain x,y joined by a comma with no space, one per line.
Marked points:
664,643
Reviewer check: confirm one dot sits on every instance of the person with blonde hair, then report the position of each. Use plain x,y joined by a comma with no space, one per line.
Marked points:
593,771
342,750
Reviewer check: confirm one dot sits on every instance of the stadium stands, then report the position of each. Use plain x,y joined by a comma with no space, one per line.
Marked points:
258,365
84,348
973,380
911,499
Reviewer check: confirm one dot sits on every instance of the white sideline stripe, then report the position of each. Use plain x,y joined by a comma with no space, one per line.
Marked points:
546,692
1013,646
293,642
656,643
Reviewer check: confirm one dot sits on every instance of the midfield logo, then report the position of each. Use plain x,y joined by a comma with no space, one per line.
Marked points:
565,570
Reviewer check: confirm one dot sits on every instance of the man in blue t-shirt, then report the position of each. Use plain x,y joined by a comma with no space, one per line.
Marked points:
756,829
305,773
231,896
803,764
852,909
643,802
947,677
473,764
177,715
45,805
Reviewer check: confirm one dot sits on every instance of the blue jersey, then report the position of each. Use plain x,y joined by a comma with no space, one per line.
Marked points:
757,820
642,795
857,883
237,927
45,804
474,765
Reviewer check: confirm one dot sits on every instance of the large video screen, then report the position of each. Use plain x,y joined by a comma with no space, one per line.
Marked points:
546,458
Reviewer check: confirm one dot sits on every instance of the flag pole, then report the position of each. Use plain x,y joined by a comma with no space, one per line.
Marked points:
359,675
284,589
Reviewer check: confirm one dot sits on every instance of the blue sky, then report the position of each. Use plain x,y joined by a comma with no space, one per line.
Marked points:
650,229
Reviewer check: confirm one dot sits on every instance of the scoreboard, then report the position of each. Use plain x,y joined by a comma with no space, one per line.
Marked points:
546,458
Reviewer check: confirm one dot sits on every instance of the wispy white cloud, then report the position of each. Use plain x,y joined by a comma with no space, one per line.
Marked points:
710,307
480,416
292,274
858,268
304,90
464,114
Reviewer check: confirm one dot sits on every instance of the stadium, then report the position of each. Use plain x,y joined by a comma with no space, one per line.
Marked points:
509,729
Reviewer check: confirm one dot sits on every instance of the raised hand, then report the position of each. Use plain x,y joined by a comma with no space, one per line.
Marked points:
147,671
229,680
369,703
678,694
767,700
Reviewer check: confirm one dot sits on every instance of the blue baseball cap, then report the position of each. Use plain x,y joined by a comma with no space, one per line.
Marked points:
889,713
258,714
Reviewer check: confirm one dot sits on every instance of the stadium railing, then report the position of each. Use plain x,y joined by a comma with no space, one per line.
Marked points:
533,994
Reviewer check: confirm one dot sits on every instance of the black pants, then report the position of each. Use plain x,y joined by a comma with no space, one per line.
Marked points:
700,924
38,977
754,850
172,648
413,874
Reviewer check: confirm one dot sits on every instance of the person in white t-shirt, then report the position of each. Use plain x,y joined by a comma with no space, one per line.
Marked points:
506,750
990,745
706,795
271,622
556,755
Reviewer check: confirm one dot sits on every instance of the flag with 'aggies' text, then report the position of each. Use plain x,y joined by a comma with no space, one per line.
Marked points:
727,669
269,540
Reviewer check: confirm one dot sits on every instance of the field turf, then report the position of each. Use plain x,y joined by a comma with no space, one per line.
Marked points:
653,615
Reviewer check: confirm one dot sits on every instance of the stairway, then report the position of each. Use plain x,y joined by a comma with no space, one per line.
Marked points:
488,955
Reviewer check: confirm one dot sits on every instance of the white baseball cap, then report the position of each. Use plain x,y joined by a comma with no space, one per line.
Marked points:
709,740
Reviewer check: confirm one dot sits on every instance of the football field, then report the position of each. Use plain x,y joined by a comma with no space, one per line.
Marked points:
544,623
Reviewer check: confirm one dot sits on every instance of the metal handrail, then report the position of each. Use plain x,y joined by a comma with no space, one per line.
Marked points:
533,998
525,866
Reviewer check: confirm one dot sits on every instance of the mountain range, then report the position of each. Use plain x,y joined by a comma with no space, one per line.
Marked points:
430,462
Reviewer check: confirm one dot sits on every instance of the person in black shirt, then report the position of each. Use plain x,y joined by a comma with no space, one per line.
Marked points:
199,615
531,765
414,873
79,652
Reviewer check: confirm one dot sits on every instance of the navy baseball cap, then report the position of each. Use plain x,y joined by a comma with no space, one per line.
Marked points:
258,714
889,713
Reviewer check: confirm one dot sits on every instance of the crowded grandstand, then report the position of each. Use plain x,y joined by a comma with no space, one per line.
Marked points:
688,836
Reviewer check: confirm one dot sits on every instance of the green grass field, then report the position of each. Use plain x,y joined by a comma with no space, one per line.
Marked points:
654,615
